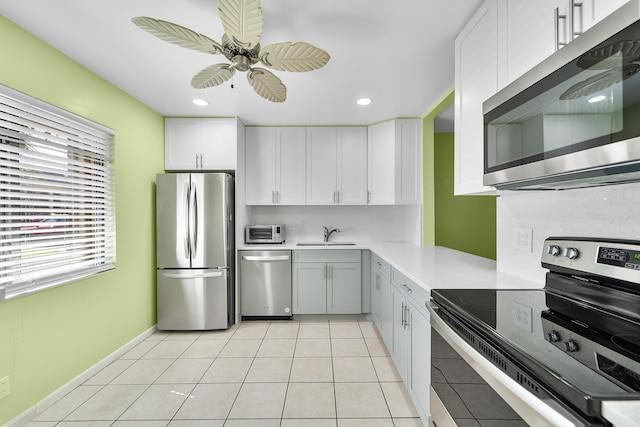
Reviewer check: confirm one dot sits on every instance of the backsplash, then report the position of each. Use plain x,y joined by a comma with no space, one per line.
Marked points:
356,223
610,212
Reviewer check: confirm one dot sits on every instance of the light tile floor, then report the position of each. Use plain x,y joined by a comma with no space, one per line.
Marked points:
260,373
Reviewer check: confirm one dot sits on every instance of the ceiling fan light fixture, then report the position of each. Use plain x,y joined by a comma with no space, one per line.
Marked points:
363,101
200,102
597,98
242,23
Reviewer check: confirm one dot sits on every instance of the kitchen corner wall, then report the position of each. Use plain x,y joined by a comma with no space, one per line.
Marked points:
50,337
610,212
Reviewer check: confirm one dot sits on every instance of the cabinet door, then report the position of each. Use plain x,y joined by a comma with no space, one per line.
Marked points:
351,179
344,288
596,10
531,30
401,335
290,166
386,311
218,144
408,162
181,144
420,367
260,165
321,166
376,295
476,79
309,288
381,162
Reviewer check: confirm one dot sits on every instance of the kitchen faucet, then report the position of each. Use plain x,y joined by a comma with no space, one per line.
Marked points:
328,233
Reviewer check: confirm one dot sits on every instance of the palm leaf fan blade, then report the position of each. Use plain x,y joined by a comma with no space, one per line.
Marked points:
296,57
177,34
242,21
211,76
267,85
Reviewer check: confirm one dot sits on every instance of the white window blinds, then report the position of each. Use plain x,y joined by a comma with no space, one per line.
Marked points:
57,213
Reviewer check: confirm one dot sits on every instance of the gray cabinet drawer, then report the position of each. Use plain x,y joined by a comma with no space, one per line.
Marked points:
381,265
327,255
417,294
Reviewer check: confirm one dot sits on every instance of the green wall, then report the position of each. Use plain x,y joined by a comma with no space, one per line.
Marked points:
48,338
465,223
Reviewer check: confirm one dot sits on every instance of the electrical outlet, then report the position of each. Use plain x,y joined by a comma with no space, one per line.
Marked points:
523,239
4,387
296,225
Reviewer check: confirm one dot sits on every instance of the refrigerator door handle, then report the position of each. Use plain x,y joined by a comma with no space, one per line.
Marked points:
265,258
192,275
187,234
194,221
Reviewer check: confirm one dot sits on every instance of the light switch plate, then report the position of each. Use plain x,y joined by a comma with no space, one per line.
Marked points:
296,225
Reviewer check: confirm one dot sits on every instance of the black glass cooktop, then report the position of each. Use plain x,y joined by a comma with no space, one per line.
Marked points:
572,346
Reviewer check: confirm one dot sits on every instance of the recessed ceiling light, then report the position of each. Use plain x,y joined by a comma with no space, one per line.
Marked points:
597,98
200,102
364,101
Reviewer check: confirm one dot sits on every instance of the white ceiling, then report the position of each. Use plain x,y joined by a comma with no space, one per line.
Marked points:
400,53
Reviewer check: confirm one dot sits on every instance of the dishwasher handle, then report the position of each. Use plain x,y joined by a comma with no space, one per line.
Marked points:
265,258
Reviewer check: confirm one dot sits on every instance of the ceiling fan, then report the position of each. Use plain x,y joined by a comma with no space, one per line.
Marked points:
242,22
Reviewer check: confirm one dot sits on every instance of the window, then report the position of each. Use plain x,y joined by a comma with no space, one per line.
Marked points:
57,213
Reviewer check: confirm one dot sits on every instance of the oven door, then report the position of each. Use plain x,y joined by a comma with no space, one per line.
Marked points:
529,407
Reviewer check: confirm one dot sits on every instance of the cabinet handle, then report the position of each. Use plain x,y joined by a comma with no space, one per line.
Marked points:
557,18
572,18
407,288
368,196
201,161
196,161
378,263
338,197
406,317
273,197
377,282
277,197
402,317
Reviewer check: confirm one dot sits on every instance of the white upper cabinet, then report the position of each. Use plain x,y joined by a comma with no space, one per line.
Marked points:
595,10
275,166
534,32
336,166
204,144
476,79
395,162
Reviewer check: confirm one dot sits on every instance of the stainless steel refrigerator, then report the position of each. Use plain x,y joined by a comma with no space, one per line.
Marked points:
195,251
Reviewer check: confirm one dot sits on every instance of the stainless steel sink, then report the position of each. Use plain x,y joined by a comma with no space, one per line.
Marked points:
325,244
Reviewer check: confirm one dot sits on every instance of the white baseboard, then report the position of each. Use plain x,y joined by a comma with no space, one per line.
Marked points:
42,405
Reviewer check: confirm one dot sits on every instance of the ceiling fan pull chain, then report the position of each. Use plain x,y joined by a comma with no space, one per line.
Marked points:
232,83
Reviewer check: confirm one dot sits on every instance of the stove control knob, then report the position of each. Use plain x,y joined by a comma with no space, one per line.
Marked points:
570,346
572,253
553,250
554,336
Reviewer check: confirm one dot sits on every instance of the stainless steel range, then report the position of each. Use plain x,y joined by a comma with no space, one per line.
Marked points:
573,344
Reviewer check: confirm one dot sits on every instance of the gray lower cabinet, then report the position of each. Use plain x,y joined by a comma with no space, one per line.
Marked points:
381,298
327,282
411,338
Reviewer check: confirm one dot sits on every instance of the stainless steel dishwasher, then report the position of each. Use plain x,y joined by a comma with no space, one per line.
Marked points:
265,284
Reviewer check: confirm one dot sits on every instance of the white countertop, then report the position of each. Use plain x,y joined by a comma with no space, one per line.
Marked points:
429,266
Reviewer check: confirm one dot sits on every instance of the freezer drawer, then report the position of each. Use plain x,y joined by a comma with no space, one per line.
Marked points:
265,284
193,299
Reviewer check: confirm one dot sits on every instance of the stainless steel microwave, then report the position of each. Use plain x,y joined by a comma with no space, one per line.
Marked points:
573,120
